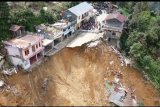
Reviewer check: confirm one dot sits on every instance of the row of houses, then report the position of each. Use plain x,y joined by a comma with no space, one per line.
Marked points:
28,48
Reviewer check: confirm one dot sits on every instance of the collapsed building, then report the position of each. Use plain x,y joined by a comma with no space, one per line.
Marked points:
118,94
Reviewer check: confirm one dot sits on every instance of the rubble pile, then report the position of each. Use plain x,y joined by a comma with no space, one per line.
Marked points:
1,83
118,94
7,88
123,60
9,71
93,44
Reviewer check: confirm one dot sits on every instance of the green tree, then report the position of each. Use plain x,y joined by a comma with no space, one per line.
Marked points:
143,41
46,17
4,21
137,50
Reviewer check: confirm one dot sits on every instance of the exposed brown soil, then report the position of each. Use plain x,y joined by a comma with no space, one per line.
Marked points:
76,77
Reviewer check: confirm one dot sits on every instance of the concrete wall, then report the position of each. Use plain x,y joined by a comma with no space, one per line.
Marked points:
113,22
17,61
72,16
13,51
91,13
79,19
30,50
72,28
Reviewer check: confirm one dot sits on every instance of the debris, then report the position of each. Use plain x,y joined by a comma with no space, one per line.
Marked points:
93,44
111,62
12,89
1,83
127,61
118,95
9,71
1,61
45,84
145,76
116,80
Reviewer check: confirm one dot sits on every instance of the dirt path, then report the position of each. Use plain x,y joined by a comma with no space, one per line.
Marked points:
76,77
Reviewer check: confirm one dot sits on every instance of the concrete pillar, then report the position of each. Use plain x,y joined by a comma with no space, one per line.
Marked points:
118,46
53,43
61,38
36,58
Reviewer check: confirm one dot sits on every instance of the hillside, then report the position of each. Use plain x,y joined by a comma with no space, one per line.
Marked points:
75,76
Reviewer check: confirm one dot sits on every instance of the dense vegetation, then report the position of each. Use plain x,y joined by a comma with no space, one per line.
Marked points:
4,20
142,40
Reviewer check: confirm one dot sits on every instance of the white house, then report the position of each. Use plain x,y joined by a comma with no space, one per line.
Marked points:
25,51
81,12
66,26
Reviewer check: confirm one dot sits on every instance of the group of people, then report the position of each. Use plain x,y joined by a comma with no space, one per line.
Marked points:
101,6
109,7
89,25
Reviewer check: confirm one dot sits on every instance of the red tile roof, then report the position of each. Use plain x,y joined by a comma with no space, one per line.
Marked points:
117,16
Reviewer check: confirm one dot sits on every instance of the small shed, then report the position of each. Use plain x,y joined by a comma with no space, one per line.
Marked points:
17,30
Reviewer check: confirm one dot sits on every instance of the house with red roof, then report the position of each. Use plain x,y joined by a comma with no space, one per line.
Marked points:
113,27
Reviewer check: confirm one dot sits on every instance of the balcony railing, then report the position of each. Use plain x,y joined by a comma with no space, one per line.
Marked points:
112,28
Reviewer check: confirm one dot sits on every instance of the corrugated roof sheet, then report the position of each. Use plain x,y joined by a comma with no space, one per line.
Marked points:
81,8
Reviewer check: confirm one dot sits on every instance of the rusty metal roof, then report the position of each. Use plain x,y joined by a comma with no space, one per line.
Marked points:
15,27
117,16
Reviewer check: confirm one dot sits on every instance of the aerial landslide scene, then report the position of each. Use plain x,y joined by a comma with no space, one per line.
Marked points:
81,53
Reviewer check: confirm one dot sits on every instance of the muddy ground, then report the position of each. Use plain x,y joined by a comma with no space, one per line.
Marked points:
75,76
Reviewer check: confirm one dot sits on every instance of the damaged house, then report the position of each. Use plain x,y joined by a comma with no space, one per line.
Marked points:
49,33
113,28
81,13
24,51
55,33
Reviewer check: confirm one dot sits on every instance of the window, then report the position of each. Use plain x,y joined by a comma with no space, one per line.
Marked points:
26,51
33,48
86,14
113,33
79,17
36,45
64,30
